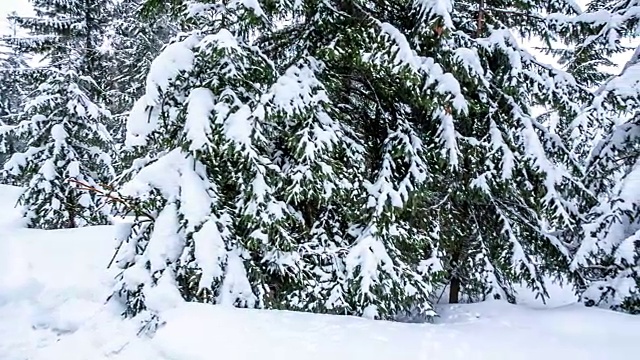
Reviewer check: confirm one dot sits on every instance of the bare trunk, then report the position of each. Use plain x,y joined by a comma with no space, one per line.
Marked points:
72,219
454,284
454,291
480,19
71,209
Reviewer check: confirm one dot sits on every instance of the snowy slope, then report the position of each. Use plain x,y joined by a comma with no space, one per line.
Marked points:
53,285
481,331
51,282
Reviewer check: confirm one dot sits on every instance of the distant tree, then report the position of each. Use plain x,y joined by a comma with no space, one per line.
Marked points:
134,39
62,126
13,66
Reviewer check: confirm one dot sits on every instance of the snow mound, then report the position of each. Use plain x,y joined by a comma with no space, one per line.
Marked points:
51,283
10,218
53,286
490,330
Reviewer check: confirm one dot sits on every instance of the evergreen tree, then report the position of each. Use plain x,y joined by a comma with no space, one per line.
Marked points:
284,180
66,142
209,188
351,160
511,192
608,259
134,40
461,172
64,138
13,67
375,260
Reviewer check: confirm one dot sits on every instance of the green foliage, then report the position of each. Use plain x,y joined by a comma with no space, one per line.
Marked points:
61,155
357,158
64,142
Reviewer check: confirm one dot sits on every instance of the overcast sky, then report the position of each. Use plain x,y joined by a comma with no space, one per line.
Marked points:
6,7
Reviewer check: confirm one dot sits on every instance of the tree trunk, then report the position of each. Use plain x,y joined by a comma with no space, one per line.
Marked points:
480,23
454,284
454,290
72,213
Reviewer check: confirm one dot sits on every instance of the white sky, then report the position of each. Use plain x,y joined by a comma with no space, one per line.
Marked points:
7,6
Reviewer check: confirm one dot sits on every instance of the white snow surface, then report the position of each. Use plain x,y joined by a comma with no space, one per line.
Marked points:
53,286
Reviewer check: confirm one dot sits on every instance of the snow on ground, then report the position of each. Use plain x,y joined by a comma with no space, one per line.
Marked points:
53,285
51,282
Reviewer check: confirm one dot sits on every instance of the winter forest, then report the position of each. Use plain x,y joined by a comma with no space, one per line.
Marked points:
349,157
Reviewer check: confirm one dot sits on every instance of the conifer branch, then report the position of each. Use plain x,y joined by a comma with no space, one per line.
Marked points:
119,199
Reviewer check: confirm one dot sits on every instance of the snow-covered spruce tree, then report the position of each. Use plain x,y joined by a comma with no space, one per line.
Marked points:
310,217
12,69
608,259
321,160
134,39
499,183
376,259
384,157
67,33
11,65
16,84
64,138
460,185
66,142
217,233
458,175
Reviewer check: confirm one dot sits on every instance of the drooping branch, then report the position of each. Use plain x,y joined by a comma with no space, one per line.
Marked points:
127,203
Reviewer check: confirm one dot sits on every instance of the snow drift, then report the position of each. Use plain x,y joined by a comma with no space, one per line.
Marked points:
53,286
